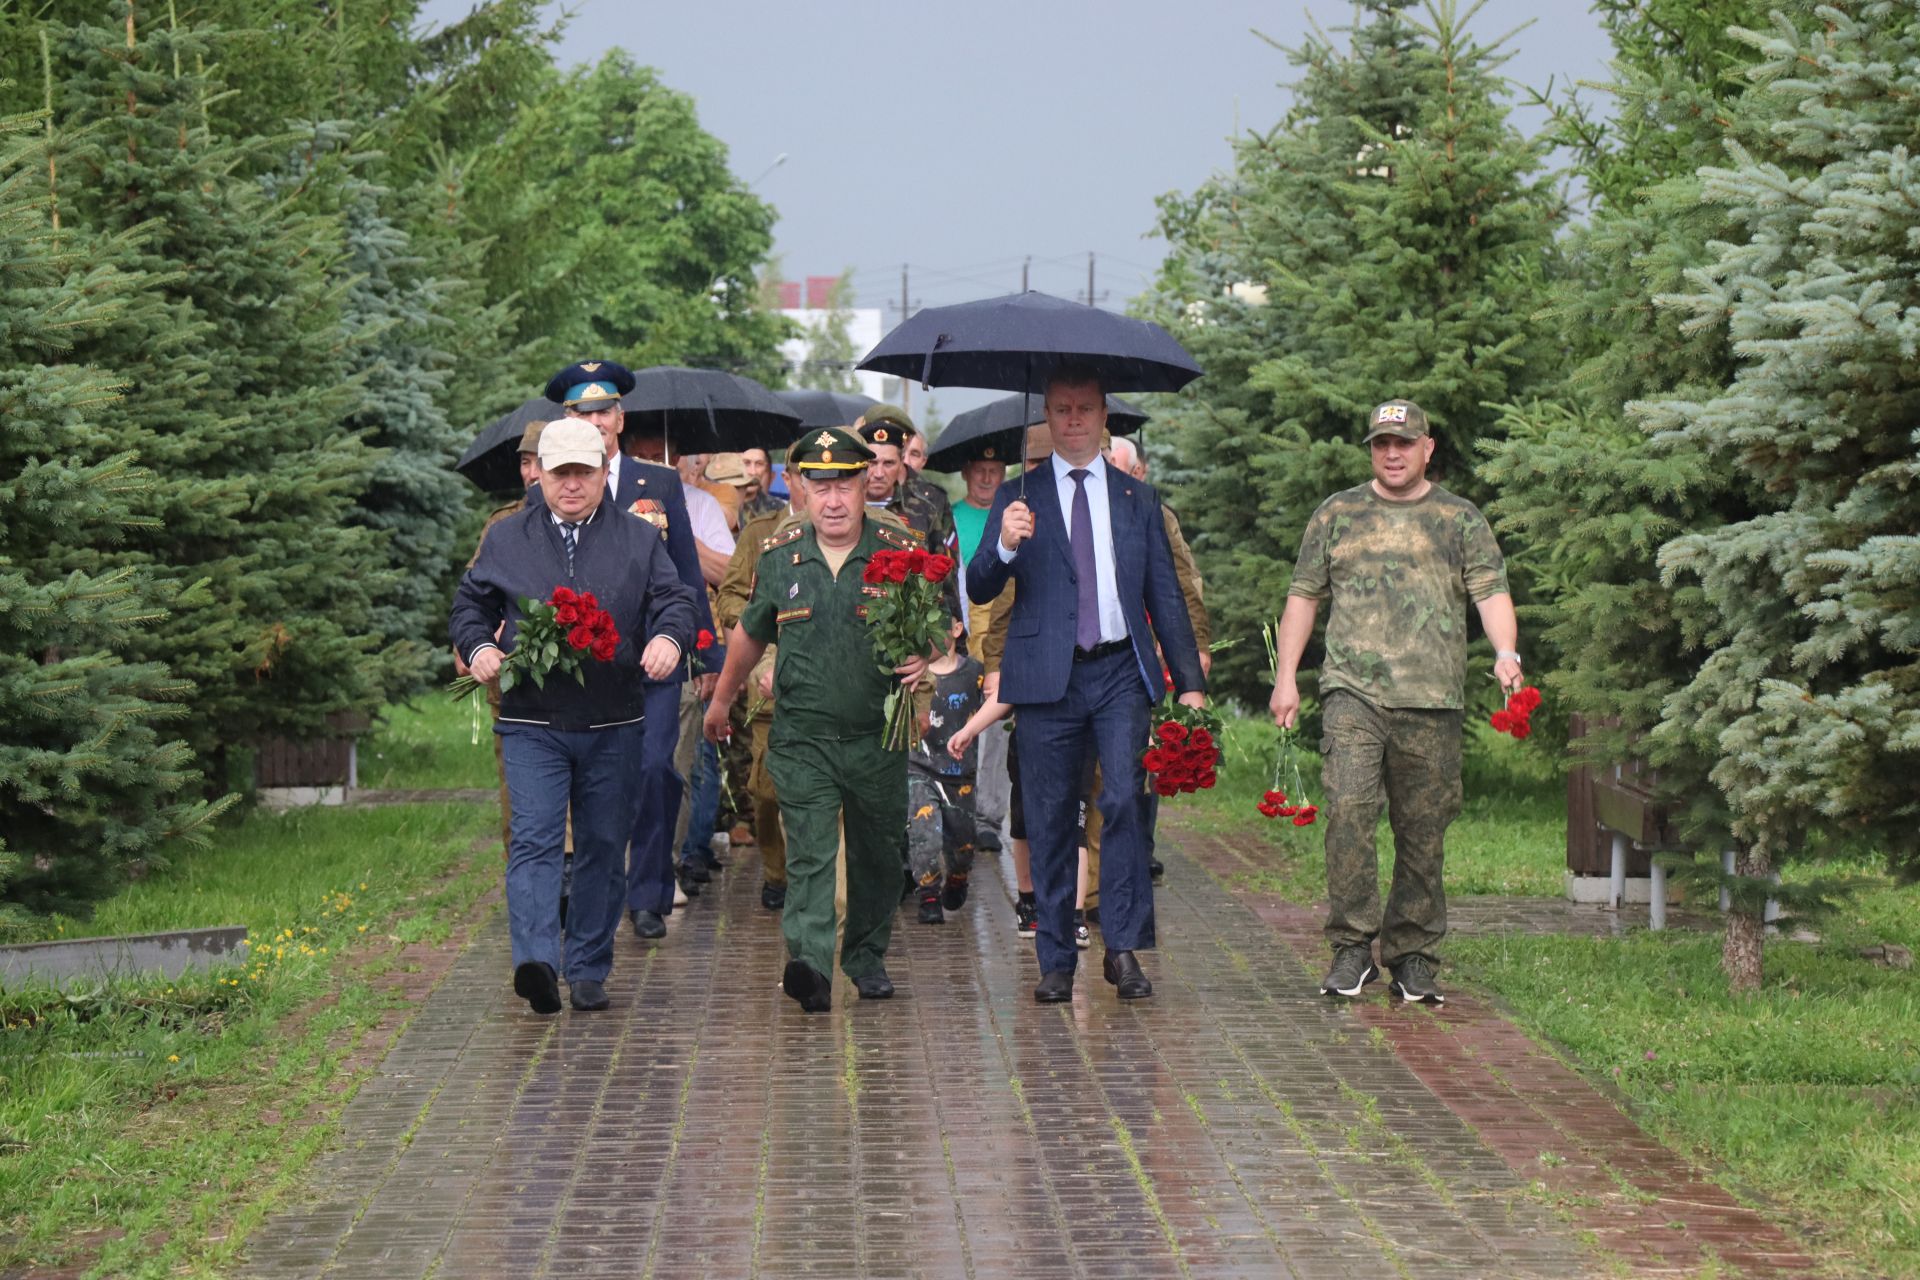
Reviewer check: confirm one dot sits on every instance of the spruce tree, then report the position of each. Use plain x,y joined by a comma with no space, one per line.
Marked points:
238,387
1809,694
1389,238
91,778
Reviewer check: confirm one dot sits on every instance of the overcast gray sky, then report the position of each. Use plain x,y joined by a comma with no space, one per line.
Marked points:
960,138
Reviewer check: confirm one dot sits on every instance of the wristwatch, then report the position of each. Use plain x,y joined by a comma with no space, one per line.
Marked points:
1508,653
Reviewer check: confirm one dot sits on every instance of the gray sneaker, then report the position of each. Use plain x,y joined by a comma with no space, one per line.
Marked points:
1352,970
1413,981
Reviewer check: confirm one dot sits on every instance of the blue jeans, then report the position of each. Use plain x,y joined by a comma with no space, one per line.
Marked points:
547,770
650,859
705,806
1105,711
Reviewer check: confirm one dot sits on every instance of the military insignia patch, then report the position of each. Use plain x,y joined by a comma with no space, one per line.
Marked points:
793,591
860,611
1390,413
594,367
824,439
800,614
874,591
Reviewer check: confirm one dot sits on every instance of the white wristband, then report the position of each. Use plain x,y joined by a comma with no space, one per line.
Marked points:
1508,653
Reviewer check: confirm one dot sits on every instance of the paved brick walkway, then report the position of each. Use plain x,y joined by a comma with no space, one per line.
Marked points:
1236,1125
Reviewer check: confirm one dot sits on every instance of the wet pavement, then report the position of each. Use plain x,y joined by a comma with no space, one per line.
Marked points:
1237,1124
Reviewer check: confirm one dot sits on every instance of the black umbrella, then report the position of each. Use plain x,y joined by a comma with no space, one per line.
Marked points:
707,411
1014,344
825,408
492,461
1003,425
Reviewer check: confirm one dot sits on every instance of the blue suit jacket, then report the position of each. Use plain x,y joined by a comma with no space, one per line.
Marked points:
1039,654
648,480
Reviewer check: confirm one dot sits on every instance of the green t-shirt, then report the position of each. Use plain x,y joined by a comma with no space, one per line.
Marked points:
1399,575
969,522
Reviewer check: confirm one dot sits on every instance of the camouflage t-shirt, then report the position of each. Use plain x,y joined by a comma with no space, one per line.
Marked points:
1399,575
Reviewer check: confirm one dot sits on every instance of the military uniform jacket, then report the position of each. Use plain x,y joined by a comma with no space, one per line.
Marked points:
827,681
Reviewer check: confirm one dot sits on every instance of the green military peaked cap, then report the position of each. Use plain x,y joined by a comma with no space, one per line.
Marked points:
828,452
886,424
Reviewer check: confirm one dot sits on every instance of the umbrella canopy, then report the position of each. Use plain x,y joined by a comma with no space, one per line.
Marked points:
492,461
1003,425
825,408
707,411
1014,344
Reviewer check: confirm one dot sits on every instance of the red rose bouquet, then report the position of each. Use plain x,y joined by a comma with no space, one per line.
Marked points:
559,635
907,618
1275,803
1517,717
1186,750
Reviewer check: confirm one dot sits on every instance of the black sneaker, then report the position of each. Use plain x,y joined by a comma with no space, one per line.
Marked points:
1413,981
1352,970
954,896
1026,917
1082,937
773,896
537,984
930,912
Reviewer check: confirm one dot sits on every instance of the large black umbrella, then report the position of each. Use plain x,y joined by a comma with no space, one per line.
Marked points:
707,411
492,461
1014,344
1002,426
825,408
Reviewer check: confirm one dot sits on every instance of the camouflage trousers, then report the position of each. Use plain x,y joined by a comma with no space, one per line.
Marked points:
1409,761
940,826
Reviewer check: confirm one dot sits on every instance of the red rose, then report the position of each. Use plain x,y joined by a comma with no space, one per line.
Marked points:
1154,761
563,595
916,561
566,614
1163,788
1173,731
1207,780
587,601
873,573
604,645
938,567
704,640
1201,738
581,637
602,624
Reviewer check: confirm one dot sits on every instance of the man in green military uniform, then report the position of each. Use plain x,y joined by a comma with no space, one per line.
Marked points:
1397,558
824,751
894,486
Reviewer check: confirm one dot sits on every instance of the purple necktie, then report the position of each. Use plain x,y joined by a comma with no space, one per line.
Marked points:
1080,537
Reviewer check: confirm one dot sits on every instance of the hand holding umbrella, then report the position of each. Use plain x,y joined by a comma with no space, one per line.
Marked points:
1016,524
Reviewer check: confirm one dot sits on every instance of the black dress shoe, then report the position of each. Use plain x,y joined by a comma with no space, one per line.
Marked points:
647,924
537,984
1055,987
688,885
874,986
1156,868
1123,971
696,872
587,995
773,896
806,984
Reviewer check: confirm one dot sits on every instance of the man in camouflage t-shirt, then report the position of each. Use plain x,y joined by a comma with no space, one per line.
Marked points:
1397,558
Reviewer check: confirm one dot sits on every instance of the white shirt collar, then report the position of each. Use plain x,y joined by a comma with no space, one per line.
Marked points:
1062,469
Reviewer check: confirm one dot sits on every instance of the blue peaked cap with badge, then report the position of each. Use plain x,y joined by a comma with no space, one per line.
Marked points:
590,385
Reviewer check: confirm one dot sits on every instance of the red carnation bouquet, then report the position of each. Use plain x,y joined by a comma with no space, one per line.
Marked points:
1275,803
907,618
1517,717
1185,751
559,635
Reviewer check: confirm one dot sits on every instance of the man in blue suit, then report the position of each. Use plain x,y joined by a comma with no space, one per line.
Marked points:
591,390
1087,547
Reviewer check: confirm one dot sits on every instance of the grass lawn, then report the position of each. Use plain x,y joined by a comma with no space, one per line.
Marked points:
1807,1094
145,1125
429,744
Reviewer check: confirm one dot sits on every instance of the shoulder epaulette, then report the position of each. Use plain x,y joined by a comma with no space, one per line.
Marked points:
782,539
909,538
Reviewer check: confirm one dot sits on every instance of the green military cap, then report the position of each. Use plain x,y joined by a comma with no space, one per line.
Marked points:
886,424
1401,418
829,452
530,438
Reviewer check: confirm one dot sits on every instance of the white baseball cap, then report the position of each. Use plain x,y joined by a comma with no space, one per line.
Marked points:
572,441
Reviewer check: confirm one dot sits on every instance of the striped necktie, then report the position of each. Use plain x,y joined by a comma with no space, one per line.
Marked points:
569,534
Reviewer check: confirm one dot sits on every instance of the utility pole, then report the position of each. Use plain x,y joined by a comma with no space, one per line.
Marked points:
906,384
1090,277
1025,267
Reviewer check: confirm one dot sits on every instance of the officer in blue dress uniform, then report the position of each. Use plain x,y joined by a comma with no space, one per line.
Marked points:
591,389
